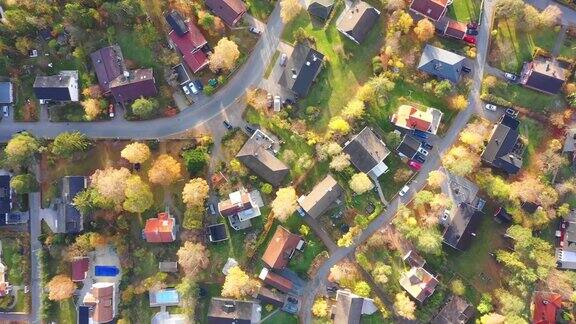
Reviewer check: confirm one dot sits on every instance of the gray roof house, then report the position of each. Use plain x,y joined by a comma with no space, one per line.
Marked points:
224,311
456,311
367,152
6,93
60,87
69,220
441,63
301,70
409,146
356,21
320,9
257,154
504,150
324,195
349,307
566,251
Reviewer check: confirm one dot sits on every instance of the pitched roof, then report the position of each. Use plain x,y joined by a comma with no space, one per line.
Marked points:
357,21
323,196
546,306
275,280
409,117
419,283
229,10
257,155
280,248
544,75
301,69
268,296
366,150
190,46
80,267
501,149
108,63
6,93
433,9
320,8
413,259
168,266
5,194
441,63
456,311
134,84
176,22
160,229
349,307
464,221
455,29
71,186
409,146
60,87
238,201
224,311
101,298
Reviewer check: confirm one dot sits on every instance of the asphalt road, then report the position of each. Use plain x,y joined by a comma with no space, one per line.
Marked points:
250,74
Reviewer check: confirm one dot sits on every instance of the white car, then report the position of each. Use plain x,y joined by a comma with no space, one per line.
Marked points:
423,151
193,88
490,107
283,59
5,111
277,103
186,90
403,191
511,77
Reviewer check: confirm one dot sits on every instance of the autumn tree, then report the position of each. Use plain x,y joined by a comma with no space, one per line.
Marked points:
381,272
360,183
345,273
111,183
24,183
460,160
68,143
285,203
353,110
289,9
362,288
458,102
144,107
340,162
165,170
60,287
238,284
320,307
193,258
436,178
457,287
531,19
84,244
393,5
404,22
325,150
551,16
21,148
224,56
195,192
509,8
403,306
136,152
339,125
93,108
139,197
424,30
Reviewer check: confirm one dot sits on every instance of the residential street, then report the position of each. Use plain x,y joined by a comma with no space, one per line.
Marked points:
35,247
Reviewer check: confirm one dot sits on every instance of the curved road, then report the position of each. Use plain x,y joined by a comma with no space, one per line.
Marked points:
250,74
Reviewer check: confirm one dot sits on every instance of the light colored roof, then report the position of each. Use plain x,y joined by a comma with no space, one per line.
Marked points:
322,196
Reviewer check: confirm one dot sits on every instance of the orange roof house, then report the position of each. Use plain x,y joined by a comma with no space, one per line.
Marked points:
100,299
409,117
161,229
281,248
546,306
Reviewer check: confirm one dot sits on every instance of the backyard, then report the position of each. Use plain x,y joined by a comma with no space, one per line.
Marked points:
15,256
465,10
517,95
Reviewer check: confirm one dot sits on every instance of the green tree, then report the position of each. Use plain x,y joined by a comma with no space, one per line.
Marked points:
266,188
24,183
68,143
144,108
362,289
442,88
195,159
193,218
21,148
139,197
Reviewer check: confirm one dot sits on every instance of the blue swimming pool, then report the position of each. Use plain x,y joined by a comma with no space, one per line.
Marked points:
167,297
106,271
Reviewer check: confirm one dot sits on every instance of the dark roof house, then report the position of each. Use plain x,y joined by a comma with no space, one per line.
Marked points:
231,11
60,87
268,296
543,75
349,307
324,195
456,311
357,21
6,93
409,146
80,267
231,311
217,233
301,70
176,22
191,46
566,251
320,9
257,155
504,150
108,64
433,9
5,195
367,152
70,220
441,63
281,248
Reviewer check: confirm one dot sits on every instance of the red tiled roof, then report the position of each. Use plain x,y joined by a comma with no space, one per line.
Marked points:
101,298
546,304
430,8
278,282
160,229
455,29
280,248
229,10
79,268
190,45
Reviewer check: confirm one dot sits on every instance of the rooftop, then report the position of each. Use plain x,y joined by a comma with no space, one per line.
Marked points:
357,21
6,93
419,283
301,69
190,46
366,150
322,197
258,155
108,64
504,150
160,229
457,311
101,299
349,307
280,248
441,63
433,9
224,310
544,75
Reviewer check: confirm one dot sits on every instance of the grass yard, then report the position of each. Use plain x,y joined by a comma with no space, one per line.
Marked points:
347,65
465,10
25,110
524,97
390,187
535,134
66,311
568,49
511,47
260,9
281,317
15,255
271,64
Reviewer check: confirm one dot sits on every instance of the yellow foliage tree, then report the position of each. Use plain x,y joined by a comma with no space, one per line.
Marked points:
339,125
193,257
61,287
165,170
360,183
92,108
458,102
195,192
424,30
136,152
111,183
238,284
225,55
285,203
435,178
289,9
320,308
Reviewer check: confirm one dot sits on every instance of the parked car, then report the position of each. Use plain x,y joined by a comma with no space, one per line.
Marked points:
414,165
470,39
250,129
5,111
403,191
283,59
466,69
212,209
186,90
511,112
427,145
472,32
198,84
269,100
490,107
227,124
287,102
418,157
193,88
420,134
111,110
422,151
472,25
510,77
254,30
277,103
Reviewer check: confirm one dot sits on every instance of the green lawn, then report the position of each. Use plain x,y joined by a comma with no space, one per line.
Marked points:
535,133
260,9
568,49
528,98
12,249
511,47
271,64
281,318
464,10
134,51
66,311
389,186
347,65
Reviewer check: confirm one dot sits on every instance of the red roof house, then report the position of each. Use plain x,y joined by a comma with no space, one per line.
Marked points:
546,306
80,267
281,248
231,11
161,229
101,299
190,46
433,9
276,280
455,29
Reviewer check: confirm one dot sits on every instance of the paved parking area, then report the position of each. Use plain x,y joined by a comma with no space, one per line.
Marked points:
271,84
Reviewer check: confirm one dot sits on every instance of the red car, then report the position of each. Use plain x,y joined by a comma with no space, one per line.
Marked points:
414,165
469,39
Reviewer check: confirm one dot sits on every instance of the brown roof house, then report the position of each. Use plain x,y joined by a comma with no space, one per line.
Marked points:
367,152
80,267
456,311
275,280
546,307
101,302
419,283
543,75
433,9
240,207
356,21
349,307
281,248
232,311
451,28
231,11
324,195
258,155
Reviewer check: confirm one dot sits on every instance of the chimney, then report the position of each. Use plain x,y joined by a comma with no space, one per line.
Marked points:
228,307
126,74
547,66
307,63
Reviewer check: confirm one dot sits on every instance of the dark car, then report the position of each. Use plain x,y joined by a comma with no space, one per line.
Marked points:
227,124
473,32
418,157
420,134
250,129
287,102
198,84
472,25
427,145
466,69
511,112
